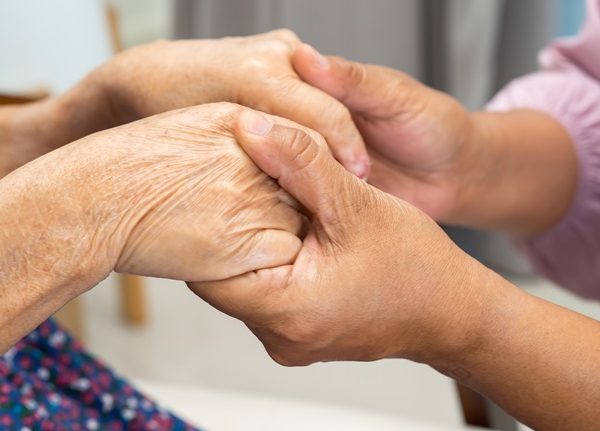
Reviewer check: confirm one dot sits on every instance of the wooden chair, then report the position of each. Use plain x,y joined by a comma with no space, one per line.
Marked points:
480,412
133,304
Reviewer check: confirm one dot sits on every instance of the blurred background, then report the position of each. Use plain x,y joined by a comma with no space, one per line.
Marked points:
158,333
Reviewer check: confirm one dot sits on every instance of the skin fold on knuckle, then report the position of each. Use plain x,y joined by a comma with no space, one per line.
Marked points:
271,87
354,75
355,202
302,151
286,35
342,128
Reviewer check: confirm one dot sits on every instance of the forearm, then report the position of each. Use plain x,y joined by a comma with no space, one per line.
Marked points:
525,173
50,248
539,361
31,130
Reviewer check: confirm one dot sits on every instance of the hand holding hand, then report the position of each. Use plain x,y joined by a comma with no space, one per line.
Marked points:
252,71
375,277
483,170
419,139
169,196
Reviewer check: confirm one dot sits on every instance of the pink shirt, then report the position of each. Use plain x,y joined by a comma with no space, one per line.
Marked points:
568,88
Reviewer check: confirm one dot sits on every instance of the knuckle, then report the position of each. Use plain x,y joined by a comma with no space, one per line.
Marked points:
405,92
302,149
342,113
336,119
221,114
356,73
286,35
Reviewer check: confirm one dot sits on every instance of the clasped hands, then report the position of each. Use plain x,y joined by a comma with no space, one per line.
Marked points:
253,209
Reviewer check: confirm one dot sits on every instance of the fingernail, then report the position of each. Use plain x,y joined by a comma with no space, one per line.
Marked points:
256,123
360,167
319,60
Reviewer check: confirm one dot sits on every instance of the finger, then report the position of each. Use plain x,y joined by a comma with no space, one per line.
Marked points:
300,164
362,88
250,297
266,249
255,250
294,99
317,110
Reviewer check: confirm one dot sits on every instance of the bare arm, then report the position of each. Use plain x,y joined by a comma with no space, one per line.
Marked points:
31,130
523,173
537,360
45,259
136,199
396,286
49,251
513,171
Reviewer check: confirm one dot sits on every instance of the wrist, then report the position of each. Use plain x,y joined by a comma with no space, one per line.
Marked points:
84,109
475,171
54,203
473,295
32,130
513,186
53,246
26,132
492,329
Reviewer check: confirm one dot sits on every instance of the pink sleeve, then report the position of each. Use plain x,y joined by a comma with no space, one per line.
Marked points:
568,88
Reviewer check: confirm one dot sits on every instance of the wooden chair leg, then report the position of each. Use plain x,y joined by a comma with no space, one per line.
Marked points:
474,407
133,304
70,317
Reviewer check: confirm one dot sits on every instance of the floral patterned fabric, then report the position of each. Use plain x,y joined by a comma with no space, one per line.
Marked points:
49,382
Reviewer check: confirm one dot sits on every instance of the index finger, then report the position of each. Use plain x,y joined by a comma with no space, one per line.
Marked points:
318,110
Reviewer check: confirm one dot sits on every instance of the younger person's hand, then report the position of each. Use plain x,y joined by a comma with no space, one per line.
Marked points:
419,139
483,170
375,277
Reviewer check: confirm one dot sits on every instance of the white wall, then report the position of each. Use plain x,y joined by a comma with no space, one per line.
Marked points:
50,44
142,21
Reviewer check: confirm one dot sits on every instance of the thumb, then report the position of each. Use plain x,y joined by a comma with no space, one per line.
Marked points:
363,88
301,163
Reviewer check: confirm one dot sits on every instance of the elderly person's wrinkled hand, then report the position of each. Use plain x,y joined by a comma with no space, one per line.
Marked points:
169,196
253,71
375,277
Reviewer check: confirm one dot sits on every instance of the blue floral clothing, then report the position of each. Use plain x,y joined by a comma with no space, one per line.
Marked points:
49,382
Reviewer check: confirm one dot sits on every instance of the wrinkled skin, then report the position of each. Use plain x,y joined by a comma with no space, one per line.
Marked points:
253,71
174,196
169,196
375,277
202,209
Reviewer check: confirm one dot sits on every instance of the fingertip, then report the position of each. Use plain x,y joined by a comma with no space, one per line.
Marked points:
253,132
307,57
360,166
352,154
255,123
